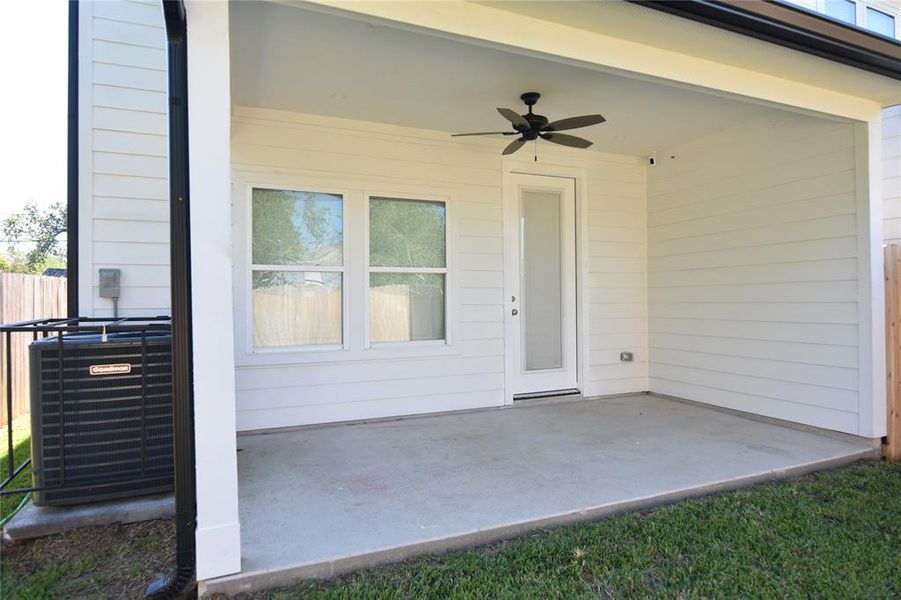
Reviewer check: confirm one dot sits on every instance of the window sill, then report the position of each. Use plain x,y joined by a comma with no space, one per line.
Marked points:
377,353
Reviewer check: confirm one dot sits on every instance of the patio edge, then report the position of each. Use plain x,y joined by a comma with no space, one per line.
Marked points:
263,580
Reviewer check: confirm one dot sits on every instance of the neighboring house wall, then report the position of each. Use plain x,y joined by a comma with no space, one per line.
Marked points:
278,390
753,272
123,194
858,11
891,173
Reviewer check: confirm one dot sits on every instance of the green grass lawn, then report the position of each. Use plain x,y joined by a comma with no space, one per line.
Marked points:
21,450
829,535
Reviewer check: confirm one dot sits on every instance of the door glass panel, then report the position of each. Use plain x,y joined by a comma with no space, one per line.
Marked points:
541,272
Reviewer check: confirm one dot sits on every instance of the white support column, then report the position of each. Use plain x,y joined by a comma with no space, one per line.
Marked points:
871,277
209,122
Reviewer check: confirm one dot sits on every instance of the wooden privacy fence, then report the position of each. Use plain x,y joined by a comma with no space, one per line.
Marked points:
24,297
893,348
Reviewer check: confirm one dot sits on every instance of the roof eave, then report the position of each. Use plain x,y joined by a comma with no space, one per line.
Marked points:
794,28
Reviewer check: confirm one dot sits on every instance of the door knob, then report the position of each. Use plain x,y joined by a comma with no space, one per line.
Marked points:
514,312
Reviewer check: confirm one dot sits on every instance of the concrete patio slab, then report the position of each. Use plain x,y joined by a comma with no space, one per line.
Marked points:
37,521
323,501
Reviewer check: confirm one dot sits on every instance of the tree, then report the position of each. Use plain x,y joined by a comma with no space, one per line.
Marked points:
32,239
295,228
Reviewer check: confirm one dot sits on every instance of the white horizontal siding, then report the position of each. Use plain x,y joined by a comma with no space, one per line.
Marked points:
891,173
124,166
753,274
616,286
269,146
276,391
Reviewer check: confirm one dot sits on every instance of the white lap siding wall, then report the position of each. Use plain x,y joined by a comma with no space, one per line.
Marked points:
891,173
278,147
123,166
753,272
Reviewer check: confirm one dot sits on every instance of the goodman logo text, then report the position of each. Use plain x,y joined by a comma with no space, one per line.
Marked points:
116,369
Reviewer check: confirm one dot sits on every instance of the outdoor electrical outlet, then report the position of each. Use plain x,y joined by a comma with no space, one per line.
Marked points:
626,356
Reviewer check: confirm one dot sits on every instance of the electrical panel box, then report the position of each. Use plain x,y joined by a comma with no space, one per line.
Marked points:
110,283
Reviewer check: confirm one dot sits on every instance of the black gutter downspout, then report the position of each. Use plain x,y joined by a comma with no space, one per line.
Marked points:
182,582
72,168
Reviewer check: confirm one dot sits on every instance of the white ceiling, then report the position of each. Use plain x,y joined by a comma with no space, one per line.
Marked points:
288,58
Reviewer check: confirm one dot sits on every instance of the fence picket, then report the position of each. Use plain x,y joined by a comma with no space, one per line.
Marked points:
25,297
893,348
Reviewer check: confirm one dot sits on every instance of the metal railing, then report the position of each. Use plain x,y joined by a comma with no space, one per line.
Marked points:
67,400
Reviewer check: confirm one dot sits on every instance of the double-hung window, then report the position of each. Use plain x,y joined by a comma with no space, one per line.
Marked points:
407,270
297,268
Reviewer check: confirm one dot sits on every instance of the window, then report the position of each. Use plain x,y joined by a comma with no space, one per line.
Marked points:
880,22
407,270
843,10
297,268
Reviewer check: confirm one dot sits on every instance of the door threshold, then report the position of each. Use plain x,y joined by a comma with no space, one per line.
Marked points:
548,394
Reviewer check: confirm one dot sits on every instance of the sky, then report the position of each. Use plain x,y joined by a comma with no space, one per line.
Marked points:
34,63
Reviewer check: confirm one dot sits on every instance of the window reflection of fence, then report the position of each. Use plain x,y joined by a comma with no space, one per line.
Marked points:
286,315
311,315
389,313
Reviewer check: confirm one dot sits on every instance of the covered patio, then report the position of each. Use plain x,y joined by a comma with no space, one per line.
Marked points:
326,500
715,244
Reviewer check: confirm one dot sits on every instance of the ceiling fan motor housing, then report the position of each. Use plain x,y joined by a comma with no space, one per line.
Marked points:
536,122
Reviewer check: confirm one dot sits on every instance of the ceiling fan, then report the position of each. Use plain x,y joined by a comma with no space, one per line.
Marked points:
531,127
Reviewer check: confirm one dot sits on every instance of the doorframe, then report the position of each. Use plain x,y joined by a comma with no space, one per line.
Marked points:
579,175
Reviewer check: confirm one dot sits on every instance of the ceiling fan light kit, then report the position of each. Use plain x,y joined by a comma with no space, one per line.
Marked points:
531,126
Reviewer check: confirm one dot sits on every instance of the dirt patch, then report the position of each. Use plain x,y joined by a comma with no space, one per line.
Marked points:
114,561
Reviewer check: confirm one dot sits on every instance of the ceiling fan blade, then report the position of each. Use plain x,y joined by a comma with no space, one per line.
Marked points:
574,123
566,140
513,146
486,133
514,117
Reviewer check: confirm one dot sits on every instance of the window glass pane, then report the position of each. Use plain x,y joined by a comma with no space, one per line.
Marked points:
297,228
405,307
880,22
406,233
296,309
843,10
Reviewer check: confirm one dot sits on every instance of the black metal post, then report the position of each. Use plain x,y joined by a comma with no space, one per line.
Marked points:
72,168
9,404
181,582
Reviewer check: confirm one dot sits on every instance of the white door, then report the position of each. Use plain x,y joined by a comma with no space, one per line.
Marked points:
542,303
